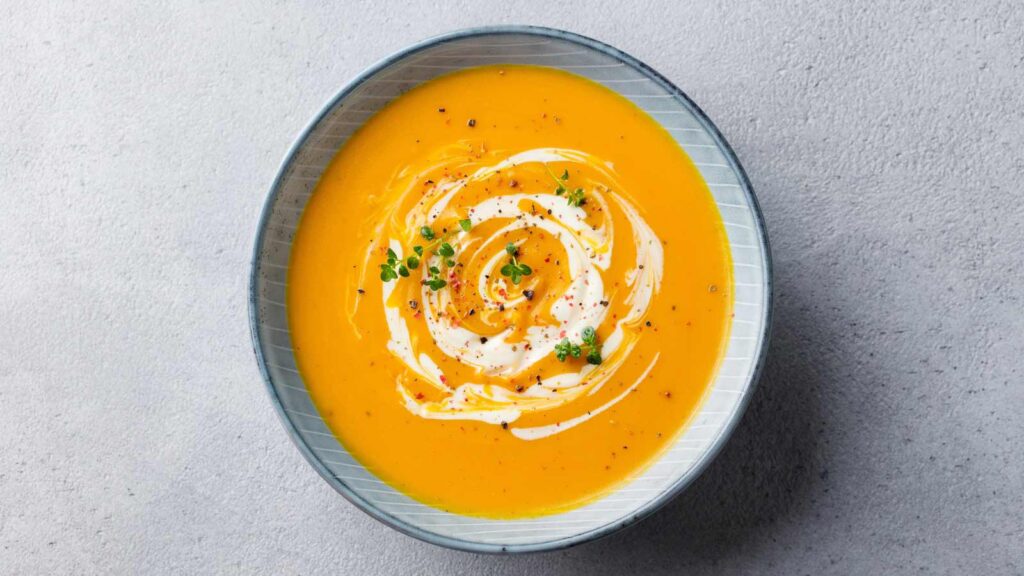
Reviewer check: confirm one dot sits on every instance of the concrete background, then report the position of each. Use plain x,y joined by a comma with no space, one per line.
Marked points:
884,139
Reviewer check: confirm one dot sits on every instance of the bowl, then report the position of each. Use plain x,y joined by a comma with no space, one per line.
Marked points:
727,395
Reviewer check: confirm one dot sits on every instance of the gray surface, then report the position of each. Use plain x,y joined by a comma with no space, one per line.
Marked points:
885,143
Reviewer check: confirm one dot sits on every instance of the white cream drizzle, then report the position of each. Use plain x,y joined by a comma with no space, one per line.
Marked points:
535,432
588,251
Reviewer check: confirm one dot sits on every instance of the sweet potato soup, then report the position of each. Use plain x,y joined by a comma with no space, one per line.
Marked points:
509,292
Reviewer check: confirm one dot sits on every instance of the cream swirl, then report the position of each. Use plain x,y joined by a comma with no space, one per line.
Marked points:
508,334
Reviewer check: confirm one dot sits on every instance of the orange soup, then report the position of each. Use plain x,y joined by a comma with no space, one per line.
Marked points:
509,292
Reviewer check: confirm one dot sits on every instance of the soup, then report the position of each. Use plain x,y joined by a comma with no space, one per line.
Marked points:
509,292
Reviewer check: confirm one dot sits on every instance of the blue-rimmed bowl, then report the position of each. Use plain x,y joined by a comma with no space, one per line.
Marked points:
726,398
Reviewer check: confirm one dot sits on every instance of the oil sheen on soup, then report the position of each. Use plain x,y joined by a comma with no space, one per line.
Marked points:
509,292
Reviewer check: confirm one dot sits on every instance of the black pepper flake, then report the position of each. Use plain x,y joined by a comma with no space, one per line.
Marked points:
472,123
440,110
472,311
413,304
648,323
604,303
361,291
504,425
528,294
519,387
483,339
501,306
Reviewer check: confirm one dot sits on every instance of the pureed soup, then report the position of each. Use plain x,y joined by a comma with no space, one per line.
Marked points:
509,292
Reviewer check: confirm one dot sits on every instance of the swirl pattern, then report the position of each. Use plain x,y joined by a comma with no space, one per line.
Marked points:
484,346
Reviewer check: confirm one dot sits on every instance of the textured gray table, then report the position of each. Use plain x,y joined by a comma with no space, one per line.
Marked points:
885,142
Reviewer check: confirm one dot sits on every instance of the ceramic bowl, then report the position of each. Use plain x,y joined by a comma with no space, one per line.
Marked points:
728,394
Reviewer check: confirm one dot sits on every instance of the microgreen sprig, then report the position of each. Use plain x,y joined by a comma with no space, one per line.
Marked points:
435,282
576,197
565,348
515,269
394,268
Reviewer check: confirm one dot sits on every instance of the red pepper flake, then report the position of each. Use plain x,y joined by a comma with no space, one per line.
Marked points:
444,379
419,395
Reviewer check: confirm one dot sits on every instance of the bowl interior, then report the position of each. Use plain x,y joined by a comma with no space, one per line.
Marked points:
727,396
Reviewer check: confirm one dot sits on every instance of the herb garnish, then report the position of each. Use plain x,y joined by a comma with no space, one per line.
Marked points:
514,269
392,269
435,282
565,348
575,198
395,268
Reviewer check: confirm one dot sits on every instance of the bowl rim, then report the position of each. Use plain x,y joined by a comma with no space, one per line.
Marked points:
647,508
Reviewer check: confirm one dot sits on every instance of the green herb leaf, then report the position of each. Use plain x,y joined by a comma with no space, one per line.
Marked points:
413,262
565,348
577,198
418,250
446,250
403,271
466,224
565,175
525,270
434,270
427,232
511,249
562,349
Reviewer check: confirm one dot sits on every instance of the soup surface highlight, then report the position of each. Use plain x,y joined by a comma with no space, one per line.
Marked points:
509,292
